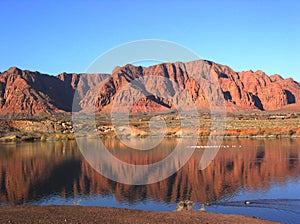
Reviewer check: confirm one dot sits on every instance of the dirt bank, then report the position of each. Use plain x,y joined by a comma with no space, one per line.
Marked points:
79,214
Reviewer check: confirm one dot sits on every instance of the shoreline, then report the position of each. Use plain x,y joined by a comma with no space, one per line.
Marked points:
235,126
93,214
249,125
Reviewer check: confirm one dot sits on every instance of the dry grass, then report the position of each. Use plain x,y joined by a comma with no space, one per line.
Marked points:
188,125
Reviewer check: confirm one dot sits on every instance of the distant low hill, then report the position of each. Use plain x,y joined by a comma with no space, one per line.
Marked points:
27,93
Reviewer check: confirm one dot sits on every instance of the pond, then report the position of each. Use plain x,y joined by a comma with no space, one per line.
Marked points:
264,172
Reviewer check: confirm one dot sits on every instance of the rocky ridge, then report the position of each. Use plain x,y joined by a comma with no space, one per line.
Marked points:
162,87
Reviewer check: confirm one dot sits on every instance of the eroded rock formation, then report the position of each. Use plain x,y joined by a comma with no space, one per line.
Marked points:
198,84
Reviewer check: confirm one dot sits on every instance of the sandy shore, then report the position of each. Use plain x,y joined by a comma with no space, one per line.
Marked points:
79,214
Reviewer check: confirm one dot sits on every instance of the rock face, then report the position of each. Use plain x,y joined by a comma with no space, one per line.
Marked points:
201,83
26,93
256,90
197,84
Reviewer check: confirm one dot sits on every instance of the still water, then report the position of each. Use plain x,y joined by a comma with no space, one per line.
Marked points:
265,172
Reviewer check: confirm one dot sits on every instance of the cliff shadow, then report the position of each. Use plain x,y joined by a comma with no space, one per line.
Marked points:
290,97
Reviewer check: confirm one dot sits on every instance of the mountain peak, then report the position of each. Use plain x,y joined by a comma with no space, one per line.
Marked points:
45,94
14,70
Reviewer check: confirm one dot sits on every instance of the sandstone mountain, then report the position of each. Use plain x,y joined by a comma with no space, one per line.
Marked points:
193,85
27,94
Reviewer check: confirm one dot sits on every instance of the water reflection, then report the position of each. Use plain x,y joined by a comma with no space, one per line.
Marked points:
30,172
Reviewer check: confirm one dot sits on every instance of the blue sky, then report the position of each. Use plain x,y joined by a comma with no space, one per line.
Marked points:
56,36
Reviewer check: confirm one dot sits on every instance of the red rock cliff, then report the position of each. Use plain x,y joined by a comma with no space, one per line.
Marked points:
26,93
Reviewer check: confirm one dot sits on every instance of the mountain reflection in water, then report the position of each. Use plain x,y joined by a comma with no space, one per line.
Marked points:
30,172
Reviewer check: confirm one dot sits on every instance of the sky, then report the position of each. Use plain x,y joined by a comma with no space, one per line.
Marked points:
66,36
